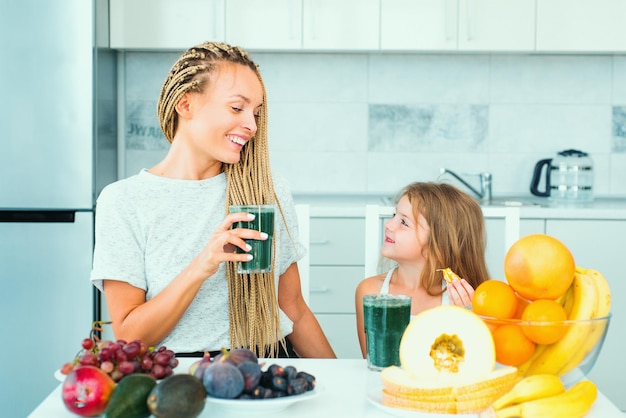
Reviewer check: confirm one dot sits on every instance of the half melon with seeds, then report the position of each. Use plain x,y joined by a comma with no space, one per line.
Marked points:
448,364
447,345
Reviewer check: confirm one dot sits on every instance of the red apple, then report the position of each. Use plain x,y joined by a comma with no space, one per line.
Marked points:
87,390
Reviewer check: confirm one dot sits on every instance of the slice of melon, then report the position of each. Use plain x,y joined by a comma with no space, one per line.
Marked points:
401,389
447,345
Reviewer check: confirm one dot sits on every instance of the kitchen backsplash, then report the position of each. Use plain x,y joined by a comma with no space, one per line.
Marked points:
370,123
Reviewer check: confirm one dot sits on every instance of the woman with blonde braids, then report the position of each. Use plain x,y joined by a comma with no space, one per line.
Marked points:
164,253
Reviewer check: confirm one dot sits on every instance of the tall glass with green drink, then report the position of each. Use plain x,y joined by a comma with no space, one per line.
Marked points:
261,249
385,317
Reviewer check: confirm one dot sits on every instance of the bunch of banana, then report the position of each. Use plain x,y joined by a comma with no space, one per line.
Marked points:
544,396
589,297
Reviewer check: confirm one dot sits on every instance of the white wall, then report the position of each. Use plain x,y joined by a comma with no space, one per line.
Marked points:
370,123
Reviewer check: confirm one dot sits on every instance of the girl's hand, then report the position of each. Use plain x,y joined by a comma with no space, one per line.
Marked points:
460,293
222,244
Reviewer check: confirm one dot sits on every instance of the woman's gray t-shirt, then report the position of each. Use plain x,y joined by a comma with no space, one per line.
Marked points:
149,228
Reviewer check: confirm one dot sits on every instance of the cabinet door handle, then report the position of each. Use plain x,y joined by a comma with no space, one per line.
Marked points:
322,242
323,289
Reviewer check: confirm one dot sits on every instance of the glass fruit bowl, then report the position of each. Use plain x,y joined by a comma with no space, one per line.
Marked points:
571,356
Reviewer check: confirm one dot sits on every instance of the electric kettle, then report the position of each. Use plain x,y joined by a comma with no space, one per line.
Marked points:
568,177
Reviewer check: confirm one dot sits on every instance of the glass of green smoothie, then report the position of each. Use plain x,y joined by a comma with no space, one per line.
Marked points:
385,317
261,249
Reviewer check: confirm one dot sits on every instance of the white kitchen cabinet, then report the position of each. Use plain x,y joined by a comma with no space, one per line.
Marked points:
337,267
581,25
465,25
497,25
303,24
598,244
340,25
341,333
165,24
267,24
418,25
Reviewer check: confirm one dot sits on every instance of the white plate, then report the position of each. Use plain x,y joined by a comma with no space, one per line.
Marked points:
376,398
258,406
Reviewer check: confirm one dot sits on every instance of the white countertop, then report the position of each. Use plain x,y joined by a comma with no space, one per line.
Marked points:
343,386
345,205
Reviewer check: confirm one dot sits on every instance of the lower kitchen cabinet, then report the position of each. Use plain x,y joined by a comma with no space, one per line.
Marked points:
332,288
340,329
337,266
332,302
598,244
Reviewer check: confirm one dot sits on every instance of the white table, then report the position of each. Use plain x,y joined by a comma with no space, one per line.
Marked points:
343,387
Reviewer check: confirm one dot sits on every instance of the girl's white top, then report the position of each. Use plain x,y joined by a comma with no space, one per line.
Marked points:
384,288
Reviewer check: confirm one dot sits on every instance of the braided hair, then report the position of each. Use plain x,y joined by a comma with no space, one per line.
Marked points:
254,320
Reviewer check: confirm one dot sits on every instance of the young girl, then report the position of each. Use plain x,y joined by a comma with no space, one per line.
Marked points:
436,226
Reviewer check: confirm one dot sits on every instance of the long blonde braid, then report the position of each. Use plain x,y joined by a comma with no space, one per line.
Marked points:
252,300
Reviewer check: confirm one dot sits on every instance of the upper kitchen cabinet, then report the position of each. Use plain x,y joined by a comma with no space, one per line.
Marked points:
340,25
267,24
165,24
467,25
497,25
418,25
581,25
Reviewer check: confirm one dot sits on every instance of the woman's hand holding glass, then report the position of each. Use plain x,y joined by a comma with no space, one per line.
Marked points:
222,244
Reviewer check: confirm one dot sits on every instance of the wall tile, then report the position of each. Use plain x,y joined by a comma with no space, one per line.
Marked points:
548,128
371,123
416,78
619,80
141,126
322,172
551,79
145,73
602,183
315,127
618,174
427,127
388,172
512,172
317,78
619,129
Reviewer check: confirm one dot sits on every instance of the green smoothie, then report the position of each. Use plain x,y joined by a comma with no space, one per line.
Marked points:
385,318
261,249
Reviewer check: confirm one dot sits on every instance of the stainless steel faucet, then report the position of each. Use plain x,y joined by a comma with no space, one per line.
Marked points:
484,193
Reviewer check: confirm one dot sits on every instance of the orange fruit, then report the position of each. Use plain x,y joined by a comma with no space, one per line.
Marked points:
512,346
494,298
544,310
539,266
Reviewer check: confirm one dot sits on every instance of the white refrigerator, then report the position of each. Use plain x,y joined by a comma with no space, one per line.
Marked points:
47,188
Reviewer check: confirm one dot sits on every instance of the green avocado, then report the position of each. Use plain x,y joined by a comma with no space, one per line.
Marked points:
177,396
129,397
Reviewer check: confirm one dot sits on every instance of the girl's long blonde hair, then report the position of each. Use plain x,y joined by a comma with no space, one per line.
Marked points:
457,232
252,299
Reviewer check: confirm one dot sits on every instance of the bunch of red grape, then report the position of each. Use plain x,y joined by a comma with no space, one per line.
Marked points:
120,358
